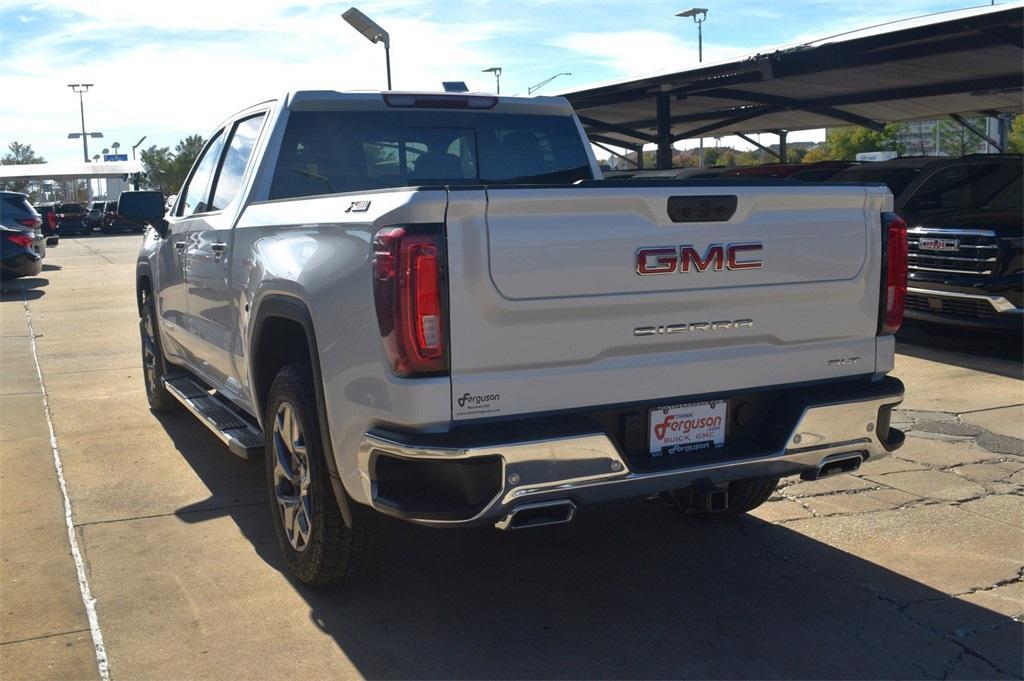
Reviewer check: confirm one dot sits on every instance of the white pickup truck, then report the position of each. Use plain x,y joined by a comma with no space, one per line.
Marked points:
432,307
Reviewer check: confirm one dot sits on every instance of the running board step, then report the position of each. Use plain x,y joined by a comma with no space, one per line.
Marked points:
241,437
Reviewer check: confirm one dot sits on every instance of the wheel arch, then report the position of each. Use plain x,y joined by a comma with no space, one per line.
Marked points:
281,319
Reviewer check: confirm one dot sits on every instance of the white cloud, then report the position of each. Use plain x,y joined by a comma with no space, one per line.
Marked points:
166,90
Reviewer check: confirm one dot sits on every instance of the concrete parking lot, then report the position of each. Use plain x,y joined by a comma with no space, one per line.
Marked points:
912,568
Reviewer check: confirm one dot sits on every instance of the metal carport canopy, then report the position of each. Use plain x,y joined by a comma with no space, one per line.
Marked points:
70,171
960,62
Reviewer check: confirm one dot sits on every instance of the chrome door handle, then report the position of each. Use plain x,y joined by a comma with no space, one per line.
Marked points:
219,248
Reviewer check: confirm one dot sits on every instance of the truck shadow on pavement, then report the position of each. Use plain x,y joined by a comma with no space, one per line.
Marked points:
994,352
627,591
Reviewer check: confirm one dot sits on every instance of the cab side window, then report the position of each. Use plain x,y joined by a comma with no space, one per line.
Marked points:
197,188
229,179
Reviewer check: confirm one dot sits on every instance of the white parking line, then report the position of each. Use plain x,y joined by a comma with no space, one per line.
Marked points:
83,580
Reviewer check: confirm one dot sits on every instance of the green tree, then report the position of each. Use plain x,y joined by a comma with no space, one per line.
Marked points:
1016,136
843,144
166,170
20,154
956,140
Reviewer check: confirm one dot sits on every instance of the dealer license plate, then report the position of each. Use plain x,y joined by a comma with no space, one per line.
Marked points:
683,428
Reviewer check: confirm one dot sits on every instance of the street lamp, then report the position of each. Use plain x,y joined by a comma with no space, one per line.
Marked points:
137,145
115,146
699,14
533,88
80,89
496,70
372,32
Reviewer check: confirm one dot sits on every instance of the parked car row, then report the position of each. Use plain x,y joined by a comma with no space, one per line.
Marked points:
67,217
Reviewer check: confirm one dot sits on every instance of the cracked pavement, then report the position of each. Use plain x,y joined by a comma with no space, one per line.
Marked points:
909,568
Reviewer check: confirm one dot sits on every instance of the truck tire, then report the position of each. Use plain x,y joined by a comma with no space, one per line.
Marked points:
744,496
318,548
153,359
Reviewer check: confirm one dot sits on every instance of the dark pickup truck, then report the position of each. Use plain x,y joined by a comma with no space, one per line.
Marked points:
965,225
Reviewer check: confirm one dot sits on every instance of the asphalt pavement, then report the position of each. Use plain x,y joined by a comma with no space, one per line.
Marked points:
911,568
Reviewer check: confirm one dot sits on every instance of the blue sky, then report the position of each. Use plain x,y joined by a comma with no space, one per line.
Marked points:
167,70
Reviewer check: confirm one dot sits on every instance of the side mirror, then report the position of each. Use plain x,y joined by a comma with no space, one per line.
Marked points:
145,206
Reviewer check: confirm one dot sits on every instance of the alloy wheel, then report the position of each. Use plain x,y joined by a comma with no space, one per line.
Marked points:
292,477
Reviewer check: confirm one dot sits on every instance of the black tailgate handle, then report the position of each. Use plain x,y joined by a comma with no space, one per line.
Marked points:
717,208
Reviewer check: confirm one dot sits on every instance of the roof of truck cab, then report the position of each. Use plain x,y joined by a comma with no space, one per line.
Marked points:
303,99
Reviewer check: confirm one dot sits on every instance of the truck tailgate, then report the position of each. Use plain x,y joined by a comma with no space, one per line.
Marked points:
565,297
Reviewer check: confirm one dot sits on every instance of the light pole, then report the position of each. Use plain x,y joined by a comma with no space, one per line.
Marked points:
698,14
82,88
137,145
371,32
533,88
115,146
496,70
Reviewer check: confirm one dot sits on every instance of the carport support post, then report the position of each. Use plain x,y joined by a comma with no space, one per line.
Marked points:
664,131
782,146
639,157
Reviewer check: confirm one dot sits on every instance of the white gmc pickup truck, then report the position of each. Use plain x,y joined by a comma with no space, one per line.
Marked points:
432,307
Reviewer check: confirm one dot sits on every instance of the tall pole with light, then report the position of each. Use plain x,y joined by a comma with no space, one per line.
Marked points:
496,70
372,32
698,14
137,145
80,89
533,88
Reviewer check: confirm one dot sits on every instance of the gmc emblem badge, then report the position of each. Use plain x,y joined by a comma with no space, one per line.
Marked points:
717,257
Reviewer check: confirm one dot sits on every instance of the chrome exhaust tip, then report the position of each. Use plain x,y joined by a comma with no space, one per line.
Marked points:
538,515
834,465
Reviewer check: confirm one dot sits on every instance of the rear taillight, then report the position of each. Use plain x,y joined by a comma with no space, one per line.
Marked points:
31,223
894,273
408,289
51,219
23,240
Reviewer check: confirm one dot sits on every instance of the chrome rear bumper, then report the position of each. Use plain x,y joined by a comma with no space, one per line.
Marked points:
588,468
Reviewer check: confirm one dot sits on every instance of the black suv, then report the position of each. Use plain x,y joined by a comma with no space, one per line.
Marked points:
966,236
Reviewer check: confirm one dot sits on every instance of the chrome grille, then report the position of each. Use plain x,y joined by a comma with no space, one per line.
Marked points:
975,252
955,307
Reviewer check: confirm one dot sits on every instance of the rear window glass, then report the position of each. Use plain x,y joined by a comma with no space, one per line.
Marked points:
327,152
111,206
897,179
17,202
70,208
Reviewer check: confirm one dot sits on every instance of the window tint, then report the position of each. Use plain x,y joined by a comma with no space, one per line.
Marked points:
111,206
946,188
70,208
897,179
229,180
1010,198
325,152
199,184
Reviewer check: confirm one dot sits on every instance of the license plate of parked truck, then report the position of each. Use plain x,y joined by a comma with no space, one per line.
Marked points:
432,308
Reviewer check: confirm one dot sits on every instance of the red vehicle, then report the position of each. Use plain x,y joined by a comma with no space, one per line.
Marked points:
113,221
63,218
